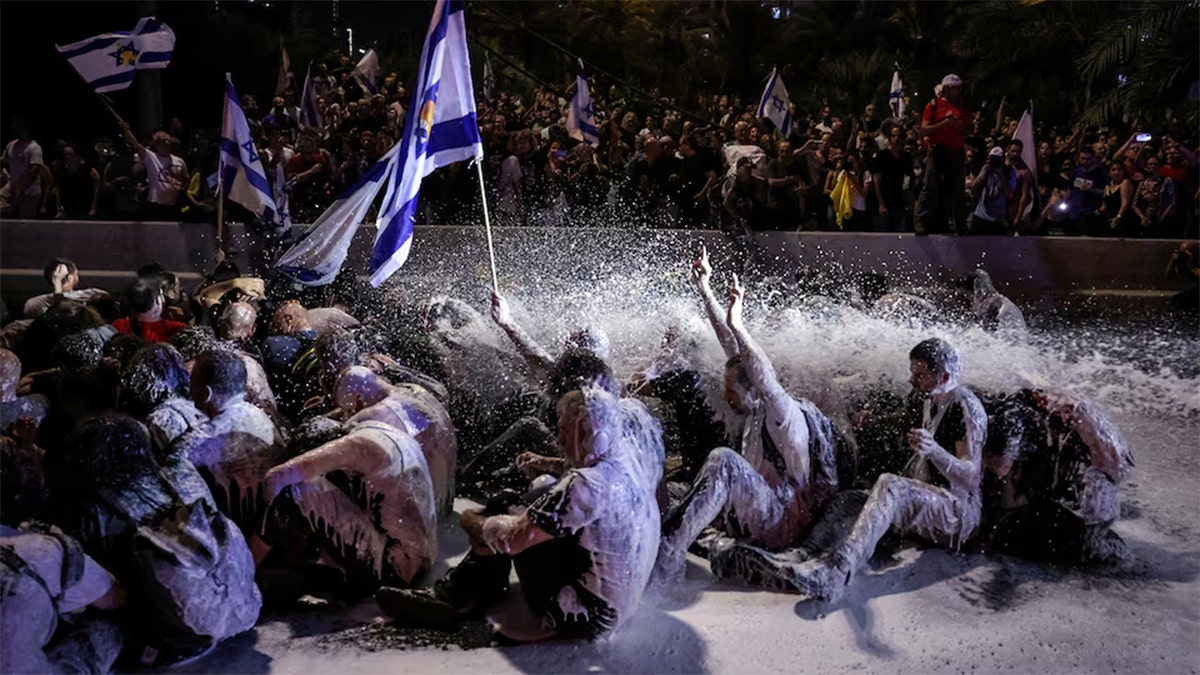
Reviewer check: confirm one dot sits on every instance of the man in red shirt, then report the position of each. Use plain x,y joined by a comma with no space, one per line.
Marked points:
145,298
941,207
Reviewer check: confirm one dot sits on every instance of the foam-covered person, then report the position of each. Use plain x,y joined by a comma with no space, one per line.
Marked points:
994,311
152,522
238,443
364,396
583,551
1055,463
939,498
785,469
48,583
366,499
13,406
156,390
291,335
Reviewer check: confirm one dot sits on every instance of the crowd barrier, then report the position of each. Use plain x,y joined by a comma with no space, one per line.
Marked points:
107,251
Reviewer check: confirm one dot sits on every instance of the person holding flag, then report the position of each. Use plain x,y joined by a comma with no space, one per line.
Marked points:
581,117
775,105
896,95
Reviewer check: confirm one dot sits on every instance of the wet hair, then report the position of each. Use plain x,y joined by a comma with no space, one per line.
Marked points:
337,349
80,350
154,374
223,371
142,294
578,368
110,451
737,367
591,339
48,270
158,273
192,341
122,347
939,355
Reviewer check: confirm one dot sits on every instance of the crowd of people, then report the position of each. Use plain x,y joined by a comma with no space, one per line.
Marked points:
173,461
943,167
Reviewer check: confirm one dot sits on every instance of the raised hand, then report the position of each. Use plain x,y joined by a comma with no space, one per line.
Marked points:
500,312
736,296
701,269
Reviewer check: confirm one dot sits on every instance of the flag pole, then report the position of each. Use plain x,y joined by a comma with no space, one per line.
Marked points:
221,233
487,224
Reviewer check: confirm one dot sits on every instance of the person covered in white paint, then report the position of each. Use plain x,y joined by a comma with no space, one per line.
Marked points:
47,582
583,551
155,386
940,497
367,499
363,396
786,469
1055,463
238,444
993,310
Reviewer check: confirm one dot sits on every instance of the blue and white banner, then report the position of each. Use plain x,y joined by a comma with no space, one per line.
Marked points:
310,114
441,128
489,79
775,105
896,97
243,179
366,73
581,117
317,258
107,62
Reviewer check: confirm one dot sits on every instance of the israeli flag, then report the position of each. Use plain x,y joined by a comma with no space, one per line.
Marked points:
774,104
317,258
441,128
107,62
310,114
243,179
366,73
581,118
896,97
489,79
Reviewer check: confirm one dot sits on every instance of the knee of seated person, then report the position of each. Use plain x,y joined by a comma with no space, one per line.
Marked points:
888,482
719,459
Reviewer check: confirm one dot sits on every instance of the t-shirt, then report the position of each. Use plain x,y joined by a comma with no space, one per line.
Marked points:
167,176
608,515
150,331
948,136
20,156
890,170
1083,202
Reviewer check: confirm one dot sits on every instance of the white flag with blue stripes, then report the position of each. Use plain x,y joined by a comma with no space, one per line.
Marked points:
366,73
317,258
896,96
441,128
310,113
107,62
774,104
581,117
242,176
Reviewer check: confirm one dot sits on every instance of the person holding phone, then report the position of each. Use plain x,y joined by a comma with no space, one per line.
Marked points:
1086,195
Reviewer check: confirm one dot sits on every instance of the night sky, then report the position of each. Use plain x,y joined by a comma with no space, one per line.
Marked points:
243,38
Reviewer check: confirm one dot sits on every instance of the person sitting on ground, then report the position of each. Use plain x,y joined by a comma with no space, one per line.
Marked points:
22,479
363,396
583,550
291,336
146,303
12,406
122,347
236,328
236,447
63,277
193,341
786,470
152,522
48,581
157,392
878,299
943,506
994,310
368,500
1054,466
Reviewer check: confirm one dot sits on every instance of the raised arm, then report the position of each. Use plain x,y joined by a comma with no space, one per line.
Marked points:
130,138
539,360
754,360
701,272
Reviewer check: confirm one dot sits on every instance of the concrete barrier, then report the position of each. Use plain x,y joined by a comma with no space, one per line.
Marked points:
108,251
